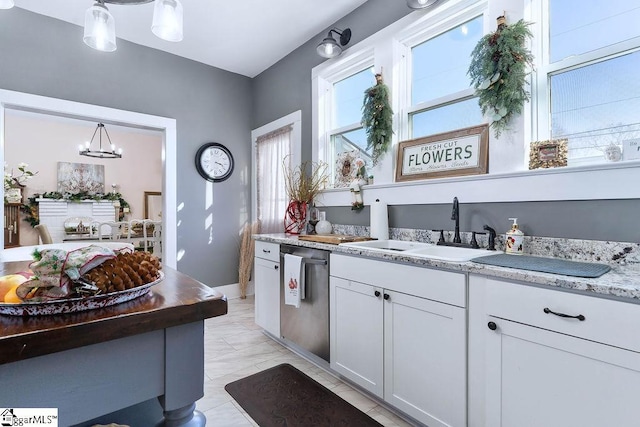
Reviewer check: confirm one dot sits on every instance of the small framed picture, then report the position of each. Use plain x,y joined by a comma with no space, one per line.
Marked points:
548,154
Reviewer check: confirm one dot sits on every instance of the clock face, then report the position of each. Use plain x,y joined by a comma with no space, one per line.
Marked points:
214,162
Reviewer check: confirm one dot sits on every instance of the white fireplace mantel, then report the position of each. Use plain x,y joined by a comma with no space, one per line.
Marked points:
54,212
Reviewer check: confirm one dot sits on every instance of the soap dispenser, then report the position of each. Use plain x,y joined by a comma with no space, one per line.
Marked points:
514,241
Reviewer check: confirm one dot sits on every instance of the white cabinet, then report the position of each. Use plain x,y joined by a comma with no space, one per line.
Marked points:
267,286
356,322
392,335
539,368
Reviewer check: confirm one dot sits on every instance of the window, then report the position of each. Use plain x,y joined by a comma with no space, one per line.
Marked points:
276,145
345,138
589,73
441,96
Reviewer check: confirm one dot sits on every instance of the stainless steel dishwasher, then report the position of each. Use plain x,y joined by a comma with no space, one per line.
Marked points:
308,326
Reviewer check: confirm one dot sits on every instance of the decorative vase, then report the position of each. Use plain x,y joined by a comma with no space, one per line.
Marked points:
295,217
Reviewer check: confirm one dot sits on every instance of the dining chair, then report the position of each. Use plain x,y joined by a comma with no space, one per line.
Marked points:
43,232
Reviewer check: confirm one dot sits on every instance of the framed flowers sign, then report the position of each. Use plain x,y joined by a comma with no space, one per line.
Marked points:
457,153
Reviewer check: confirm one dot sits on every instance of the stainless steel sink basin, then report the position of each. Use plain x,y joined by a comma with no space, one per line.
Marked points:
422,250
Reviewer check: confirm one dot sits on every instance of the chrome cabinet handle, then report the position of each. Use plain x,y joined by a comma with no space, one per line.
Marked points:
580,317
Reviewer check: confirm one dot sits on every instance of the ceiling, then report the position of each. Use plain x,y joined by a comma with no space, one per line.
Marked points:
241,36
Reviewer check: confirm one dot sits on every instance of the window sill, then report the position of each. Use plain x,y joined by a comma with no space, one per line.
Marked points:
588,182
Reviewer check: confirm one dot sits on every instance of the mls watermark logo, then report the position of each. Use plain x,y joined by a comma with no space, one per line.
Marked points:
28,417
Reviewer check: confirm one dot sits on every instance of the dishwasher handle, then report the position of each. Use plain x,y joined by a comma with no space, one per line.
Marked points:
312,260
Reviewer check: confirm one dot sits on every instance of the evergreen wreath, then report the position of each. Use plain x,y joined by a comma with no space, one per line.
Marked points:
498,72
377,119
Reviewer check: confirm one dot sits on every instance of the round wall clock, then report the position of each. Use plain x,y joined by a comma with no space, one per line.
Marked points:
214,162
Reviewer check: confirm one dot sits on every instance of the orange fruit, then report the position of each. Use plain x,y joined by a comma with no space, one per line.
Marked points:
9,281
11,297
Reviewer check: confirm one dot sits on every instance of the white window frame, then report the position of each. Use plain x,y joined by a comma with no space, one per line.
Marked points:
413,36
295,120
323,92
589,182
541,75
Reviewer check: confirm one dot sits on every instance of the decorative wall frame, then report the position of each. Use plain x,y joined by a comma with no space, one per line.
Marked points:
74,178
153,205
548,154
457,153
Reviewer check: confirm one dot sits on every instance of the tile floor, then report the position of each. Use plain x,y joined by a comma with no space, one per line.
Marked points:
236,347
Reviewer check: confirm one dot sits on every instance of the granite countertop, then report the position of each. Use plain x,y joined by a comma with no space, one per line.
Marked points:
623,281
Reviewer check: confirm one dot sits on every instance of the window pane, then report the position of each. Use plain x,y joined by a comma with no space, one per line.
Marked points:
348,95
597,105
440,64
352,140
580,26
447,118
349,145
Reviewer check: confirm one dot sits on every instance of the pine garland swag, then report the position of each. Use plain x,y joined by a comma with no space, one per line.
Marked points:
498,72
377,119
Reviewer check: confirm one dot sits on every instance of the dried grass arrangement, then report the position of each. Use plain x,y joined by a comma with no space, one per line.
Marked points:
247,249
303,187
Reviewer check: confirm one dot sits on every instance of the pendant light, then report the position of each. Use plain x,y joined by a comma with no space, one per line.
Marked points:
6,4
167,20
99,28
85,150
420,4
329,47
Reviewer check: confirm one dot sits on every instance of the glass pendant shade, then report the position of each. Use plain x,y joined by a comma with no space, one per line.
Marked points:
329,48
99,28
420,4
167,20
6,4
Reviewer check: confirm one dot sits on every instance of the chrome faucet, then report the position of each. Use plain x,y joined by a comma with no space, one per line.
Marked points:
455,215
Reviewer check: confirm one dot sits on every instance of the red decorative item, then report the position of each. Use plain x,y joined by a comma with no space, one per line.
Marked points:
295,217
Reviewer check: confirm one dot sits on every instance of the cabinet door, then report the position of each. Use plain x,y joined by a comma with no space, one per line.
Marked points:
267,304
356,333
425,359
537,377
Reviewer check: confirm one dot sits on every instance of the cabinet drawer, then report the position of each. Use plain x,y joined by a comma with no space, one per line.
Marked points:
606,321
437,285
267,250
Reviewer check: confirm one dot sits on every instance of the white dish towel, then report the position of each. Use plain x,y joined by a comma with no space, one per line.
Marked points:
293,280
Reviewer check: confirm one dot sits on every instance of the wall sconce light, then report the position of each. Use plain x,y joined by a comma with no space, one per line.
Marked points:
85,150
6,4
329,48
420,4
100,30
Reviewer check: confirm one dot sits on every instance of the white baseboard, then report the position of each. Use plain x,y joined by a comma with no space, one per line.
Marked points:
232,291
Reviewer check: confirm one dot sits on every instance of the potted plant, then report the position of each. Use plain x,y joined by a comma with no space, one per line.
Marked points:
13,185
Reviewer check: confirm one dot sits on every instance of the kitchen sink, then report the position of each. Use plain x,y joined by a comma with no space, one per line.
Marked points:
422,250
387,245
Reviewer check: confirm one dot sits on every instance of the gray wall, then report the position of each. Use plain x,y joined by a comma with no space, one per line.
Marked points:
286,87
44,56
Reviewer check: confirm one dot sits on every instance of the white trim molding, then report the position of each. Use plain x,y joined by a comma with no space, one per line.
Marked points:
81,111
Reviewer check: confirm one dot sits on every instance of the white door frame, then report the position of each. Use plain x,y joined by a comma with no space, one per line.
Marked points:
78,110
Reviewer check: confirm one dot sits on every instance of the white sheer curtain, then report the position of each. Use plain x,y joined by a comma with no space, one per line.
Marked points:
271,150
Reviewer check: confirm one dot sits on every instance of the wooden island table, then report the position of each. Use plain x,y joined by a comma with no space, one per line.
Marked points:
92,363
